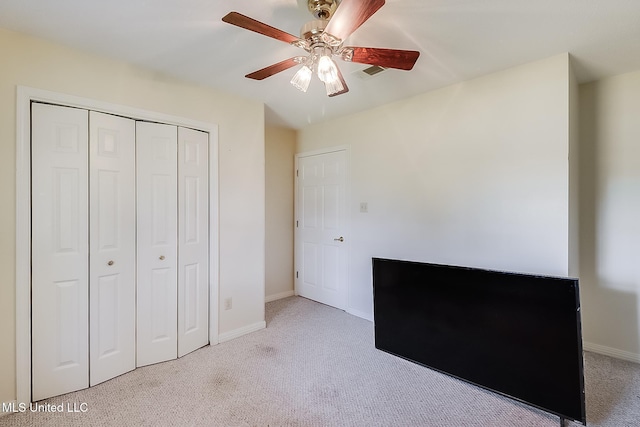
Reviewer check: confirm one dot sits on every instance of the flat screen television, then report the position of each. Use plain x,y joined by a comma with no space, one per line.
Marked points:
515,334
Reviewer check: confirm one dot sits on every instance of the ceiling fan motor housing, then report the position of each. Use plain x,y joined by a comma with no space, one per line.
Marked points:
313,30
322,9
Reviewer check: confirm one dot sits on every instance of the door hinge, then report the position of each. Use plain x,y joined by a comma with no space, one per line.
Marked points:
297,172
296,274
297,223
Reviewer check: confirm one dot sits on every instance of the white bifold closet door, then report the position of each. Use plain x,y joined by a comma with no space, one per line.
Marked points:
193,240
60,251
83,248
157,172
173,230
112,247
120,246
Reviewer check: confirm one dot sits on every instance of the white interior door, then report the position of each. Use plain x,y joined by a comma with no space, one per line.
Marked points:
60,347
156,158
112,237
193,238
321,246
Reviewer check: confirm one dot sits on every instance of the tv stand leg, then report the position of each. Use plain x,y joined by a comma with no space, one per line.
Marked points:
563,422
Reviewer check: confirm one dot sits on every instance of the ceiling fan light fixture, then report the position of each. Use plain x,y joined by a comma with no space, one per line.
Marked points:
333,87
302,78
327,69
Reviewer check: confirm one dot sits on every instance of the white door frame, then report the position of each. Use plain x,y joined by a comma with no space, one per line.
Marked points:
24,97
347,219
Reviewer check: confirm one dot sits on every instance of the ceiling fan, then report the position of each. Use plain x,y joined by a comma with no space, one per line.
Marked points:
323,38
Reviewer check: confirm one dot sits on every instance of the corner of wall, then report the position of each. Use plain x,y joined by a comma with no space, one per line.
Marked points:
574,172
280,146
609,232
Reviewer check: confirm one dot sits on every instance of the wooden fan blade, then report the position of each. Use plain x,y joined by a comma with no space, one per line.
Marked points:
388,58
350,15
344,85
242,21
273,69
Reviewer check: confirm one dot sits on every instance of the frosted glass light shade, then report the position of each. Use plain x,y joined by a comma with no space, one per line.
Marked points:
302,78
327,70
334,87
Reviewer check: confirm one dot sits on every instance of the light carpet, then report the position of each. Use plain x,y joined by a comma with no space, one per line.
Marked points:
317,366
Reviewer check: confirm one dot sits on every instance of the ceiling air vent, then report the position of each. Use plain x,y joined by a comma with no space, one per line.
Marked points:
369,72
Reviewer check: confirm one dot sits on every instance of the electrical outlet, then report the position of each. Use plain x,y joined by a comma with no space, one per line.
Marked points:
228,303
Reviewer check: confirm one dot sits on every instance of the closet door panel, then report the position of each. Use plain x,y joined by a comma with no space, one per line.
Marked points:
156,158
193,232
112,225
60,356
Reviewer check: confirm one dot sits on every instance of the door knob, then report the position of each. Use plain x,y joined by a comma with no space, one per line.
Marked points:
161,257
339,239
110,263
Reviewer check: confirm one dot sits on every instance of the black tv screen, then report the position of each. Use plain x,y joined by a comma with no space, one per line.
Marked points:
516,334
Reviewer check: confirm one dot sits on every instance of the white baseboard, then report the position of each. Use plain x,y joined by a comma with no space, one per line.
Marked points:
613,352
278,296
361,314
11,403
236,333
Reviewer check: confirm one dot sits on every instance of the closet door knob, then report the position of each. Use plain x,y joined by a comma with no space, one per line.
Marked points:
110,263
161,257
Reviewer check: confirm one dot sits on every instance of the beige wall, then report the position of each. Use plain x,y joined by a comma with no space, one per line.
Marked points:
280,145
610,215
473,174
35,63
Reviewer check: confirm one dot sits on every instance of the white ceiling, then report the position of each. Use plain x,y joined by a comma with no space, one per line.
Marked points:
458,40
